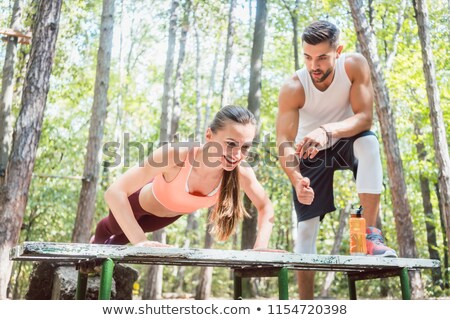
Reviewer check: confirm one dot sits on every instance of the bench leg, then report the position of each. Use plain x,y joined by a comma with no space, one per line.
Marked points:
283,291
352,288
237,286
106,280
404,281
81,286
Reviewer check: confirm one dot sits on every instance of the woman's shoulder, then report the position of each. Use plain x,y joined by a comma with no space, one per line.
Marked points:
171,155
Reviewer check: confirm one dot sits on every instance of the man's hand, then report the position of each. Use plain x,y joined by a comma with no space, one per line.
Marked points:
305,194
311,143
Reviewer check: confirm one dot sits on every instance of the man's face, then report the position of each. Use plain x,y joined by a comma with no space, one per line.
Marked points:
320,60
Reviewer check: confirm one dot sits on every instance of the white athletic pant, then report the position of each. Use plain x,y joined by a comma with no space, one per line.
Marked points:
368,180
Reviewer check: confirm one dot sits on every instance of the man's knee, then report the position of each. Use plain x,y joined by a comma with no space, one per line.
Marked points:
366,147
306,235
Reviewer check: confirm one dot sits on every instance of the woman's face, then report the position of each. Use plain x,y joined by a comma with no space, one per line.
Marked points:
230,145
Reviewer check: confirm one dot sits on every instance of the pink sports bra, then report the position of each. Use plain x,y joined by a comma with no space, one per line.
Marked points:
175,195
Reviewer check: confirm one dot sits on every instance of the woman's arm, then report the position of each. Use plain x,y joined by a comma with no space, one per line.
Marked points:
261,201
135,178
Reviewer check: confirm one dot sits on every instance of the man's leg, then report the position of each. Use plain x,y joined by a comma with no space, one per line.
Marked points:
306,243
369,177
320,173
371,204
369,184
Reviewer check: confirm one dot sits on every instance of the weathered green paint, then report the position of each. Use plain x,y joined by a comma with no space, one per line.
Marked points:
74,252
106,280
404,281
352,289
245,263
283,284
237,286
280,273
81,285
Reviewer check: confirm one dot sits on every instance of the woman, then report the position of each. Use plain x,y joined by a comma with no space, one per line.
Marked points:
180,180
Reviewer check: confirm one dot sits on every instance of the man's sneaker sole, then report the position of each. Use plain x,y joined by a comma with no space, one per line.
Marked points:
387,254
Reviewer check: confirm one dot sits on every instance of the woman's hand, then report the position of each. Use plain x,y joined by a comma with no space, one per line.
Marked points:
153,244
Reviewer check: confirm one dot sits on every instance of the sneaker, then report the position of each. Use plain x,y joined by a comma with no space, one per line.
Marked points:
375,244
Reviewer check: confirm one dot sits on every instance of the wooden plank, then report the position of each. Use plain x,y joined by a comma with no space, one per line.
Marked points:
76,252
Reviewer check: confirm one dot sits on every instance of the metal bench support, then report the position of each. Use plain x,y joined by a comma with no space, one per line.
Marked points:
402,273
281,273
81,286
106,280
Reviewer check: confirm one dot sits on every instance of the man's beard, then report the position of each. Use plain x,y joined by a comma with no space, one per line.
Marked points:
325,75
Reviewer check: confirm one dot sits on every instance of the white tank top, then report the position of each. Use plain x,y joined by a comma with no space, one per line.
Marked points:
327,106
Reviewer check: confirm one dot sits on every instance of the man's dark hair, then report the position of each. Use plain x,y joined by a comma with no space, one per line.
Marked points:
320,31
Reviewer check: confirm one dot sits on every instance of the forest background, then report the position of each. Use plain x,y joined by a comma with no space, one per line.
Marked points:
173,65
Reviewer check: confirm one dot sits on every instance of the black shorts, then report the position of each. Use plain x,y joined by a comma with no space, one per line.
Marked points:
320,171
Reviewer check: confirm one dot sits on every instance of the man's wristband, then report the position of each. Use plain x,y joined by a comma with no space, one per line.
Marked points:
327,134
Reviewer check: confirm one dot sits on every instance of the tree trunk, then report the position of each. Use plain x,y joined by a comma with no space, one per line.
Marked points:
395,39
437,119
444,238
228,55
343,218
165,120
254,103
249,225
295,34
294,19
254,95
212,86
401,208
430,221
250,19
203,291
153,283
14,194
176,107
198,100
86,203
17,289
248,236
6,98
180,282
154,280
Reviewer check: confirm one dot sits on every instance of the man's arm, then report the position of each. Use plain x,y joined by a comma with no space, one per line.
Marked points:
290,99
361,100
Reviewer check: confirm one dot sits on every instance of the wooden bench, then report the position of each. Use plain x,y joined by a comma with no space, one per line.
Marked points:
245,263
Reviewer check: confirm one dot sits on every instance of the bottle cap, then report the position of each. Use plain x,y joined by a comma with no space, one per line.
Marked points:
359,212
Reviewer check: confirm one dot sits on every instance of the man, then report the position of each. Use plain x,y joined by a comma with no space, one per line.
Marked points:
327,109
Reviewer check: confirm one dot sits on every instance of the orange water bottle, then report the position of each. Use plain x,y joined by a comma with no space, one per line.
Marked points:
357,233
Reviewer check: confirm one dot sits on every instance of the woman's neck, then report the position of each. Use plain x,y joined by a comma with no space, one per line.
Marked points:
206,167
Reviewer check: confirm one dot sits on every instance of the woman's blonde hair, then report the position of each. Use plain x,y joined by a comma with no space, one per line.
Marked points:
229,210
